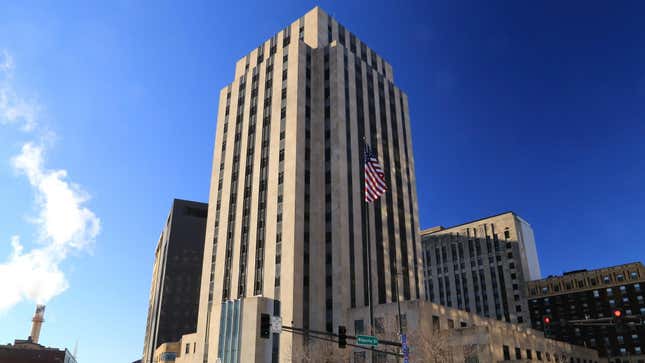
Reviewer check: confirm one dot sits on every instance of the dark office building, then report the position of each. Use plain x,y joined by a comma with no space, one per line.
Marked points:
580,295
176,276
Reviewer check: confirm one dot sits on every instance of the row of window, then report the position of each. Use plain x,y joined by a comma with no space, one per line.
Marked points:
547,356
578,283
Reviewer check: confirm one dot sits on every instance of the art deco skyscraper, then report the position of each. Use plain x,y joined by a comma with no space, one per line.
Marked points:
286,217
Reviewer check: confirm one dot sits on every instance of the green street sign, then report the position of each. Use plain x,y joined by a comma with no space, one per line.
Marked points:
366,340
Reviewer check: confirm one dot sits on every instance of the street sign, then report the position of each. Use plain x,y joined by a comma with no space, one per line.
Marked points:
276,324
405,349
366,340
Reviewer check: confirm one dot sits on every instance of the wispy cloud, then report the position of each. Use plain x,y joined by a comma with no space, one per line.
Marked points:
13,108
64,224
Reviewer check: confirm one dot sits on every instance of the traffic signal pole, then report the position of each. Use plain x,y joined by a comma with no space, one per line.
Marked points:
329,337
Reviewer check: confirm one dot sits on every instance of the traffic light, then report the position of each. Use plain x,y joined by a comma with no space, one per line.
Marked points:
546,321
342,336
618,315
265,326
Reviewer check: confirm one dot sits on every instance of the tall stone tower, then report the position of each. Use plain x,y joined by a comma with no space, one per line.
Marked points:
286,218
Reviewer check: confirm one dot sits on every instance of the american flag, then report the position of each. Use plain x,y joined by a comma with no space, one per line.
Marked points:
374,176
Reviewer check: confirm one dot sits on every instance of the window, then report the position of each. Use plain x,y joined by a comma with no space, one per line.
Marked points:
436,325
507,234
538,354
187,348
404,322
378,325
359,326
518,353
451,324
360,357
529,354
507,353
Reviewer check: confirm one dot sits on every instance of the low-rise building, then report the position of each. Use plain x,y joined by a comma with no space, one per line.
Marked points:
450,335
593,294
26,351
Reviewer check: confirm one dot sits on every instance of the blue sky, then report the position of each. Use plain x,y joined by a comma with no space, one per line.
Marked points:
535,107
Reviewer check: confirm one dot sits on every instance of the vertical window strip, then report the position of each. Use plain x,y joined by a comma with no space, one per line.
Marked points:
328,196
262,186
350,194
307,212
408,161
248,178
403,239
385,140
226,291
378,214
283,120
360,118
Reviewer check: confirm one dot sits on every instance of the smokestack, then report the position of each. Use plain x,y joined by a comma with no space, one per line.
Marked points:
37,323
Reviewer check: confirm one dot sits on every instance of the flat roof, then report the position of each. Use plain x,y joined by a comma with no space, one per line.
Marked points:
441,228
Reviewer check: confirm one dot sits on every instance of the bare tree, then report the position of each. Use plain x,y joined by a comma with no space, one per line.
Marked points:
320,351
430,347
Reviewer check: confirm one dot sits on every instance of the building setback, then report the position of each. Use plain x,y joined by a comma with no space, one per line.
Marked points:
482,266
176,274
593,294
286,218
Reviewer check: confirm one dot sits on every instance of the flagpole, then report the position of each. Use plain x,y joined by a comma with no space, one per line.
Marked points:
369,252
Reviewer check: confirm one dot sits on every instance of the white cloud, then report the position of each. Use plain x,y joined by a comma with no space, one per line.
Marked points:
13,108
7,63
34,275
64,224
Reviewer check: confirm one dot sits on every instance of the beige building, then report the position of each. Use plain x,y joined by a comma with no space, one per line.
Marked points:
482,266
286,218
438,333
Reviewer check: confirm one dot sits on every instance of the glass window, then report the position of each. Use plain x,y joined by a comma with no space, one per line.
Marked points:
378,325
507,353
360,357
518,353
359,326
